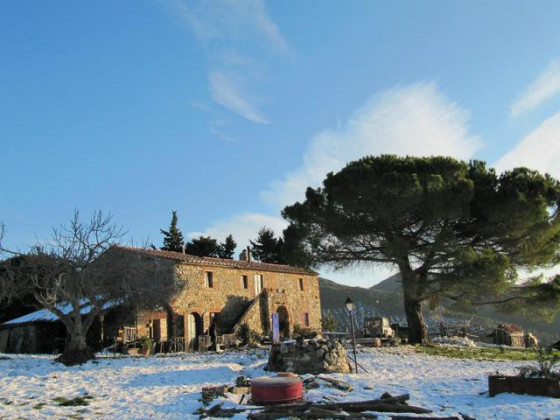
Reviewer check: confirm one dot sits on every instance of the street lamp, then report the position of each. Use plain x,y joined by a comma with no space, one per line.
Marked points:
351,307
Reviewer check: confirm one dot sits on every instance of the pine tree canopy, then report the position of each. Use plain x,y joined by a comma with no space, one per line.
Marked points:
267,248
204,246
453,229
227,248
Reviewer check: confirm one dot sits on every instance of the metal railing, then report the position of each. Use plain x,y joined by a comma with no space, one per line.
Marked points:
129,334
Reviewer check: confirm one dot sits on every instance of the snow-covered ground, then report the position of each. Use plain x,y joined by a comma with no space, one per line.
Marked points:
169,387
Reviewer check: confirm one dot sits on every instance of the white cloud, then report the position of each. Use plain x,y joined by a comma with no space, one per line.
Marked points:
543,88
227,91
267,26
414,120
230,20
200,106
237,36
540,150
243,227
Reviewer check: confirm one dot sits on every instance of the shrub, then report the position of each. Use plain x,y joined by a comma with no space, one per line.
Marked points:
329,323
146,343
247,335
547,358
303,332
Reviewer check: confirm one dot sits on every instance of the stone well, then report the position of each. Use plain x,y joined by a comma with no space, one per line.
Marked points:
309,356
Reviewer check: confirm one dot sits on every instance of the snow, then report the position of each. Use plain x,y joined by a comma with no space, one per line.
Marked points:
455,341
65,307
169,387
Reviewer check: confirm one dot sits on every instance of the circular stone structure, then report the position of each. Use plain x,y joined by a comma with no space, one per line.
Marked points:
276,390
309,356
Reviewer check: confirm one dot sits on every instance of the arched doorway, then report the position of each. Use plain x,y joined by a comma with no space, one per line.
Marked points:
195,329
179,326
283,321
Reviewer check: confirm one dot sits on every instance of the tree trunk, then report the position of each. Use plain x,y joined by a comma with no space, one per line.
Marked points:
76,350
418,331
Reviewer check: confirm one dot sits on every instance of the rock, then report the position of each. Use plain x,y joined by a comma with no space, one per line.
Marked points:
242,381
240,390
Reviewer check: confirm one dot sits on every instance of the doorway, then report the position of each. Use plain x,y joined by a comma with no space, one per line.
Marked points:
195,329
283,321
258,283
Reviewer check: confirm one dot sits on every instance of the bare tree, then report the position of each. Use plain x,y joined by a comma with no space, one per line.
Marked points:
74,277
8,284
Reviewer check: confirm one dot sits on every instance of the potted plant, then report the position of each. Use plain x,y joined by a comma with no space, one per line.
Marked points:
540,380
146,344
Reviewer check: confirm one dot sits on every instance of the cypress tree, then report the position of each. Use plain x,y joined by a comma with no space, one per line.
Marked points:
172,238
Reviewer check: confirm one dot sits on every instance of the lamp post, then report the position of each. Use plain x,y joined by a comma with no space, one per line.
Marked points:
102,337
351,307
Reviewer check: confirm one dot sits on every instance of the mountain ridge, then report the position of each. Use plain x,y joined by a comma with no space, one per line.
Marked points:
385,299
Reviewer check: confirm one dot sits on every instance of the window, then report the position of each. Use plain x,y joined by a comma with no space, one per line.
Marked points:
258,283
306,318
301,284
209,279
245,282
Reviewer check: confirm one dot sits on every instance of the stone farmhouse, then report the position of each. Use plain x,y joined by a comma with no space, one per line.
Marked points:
193,297
225,294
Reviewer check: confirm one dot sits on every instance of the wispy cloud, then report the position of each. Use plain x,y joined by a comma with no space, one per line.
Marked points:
414,120
237,35
200,106
267,26
230,20
540,150
227,91
544,87
222,135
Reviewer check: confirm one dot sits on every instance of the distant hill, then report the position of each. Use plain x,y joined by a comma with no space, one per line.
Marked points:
390,284
385,299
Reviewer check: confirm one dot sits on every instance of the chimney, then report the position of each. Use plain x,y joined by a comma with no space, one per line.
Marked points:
183,249
245,255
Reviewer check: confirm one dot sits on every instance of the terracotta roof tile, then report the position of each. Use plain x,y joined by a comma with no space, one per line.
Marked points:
510,328
193,259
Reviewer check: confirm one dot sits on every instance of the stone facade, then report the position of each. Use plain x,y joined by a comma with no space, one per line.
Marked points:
228,293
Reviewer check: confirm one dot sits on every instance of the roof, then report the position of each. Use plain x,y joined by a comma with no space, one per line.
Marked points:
219,262
510,328
44,315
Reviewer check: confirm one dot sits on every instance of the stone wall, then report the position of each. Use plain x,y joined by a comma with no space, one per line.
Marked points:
309,356
230,298
253,316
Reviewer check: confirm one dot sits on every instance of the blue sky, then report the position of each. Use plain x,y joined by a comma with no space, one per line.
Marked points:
226,111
